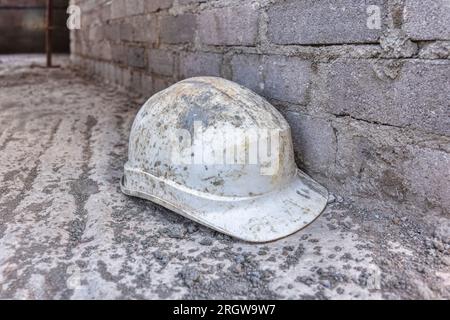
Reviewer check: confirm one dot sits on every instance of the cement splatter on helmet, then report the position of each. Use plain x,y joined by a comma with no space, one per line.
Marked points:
221,155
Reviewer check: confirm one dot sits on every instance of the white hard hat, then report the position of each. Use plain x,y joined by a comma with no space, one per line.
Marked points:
219,154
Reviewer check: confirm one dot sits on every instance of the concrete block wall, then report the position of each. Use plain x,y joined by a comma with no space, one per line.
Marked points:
368,99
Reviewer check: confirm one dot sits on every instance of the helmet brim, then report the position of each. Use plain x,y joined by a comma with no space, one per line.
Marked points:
257,219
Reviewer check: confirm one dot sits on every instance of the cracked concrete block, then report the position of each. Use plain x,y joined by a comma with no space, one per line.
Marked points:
161,62
403,93
324,22
178,29
229,26
427,20
200,64
394,166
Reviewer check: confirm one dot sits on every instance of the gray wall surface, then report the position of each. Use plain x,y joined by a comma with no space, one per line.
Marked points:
368,102
22,26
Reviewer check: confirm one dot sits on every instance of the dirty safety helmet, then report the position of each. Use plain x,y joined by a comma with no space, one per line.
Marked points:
219,154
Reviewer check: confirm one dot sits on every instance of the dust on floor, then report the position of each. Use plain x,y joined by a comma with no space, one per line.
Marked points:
66,230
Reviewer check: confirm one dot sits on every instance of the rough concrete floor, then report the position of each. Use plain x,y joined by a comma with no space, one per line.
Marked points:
66,230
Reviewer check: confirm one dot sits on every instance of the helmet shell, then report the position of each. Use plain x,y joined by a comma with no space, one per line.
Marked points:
219,154
213,122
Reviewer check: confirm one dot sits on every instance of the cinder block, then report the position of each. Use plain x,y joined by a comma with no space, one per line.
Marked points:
117,74
145,29
160,84
136,82
138,29
136,57
126,77
323,22
161,62
146,85
118,9
390,165
126,31
134,7
427,19
106,51
105,12
155,5
404,93
200,64
119,53
428,176
96,33
229,26
248,70
112,31
287,79
314,142
178,29
276,77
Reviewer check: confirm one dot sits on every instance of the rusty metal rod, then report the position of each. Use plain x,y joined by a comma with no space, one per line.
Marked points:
48,32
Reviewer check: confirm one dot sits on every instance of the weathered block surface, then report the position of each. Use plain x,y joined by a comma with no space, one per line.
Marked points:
381,162
134,7
427,20
178,29
277,77
315,142
155,5
248,70
287,79
195,64
322,22
136,57
409,93
144,29
225,27
161,62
